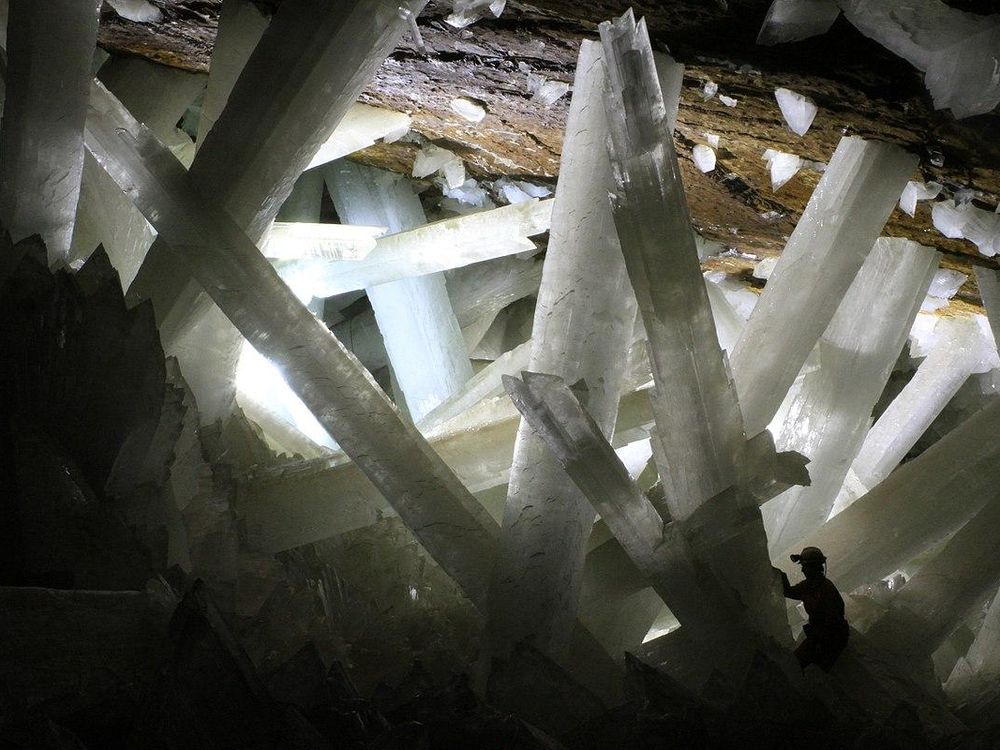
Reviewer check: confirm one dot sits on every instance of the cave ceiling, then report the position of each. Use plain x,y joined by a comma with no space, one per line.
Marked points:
860,88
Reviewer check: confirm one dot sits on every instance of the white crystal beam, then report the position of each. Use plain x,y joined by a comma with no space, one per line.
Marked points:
241,25
50,46
588,459
699,437
439,246
828,417
348,403
840,224
919,504
582,329
157,96
958,353
294,240
981,663
105,216
661,551
929,605
308,501
421,334
313,59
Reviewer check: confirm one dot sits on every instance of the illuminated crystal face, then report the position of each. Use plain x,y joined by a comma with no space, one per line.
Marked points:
591,438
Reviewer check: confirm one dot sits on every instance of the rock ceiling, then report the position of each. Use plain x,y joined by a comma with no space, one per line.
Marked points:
860,88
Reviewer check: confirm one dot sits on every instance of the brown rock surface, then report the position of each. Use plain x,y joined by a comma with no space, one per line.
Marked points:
860,89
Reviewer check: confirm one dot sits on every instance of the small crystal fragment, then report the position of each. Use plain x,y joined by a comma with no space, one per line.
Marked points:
140,11
765,268
466,12
549,91
704,157
727,100
966,221
794,20
713,139
798,111
710,89
917,191
783,166
965,195
946,283
431,159
470,110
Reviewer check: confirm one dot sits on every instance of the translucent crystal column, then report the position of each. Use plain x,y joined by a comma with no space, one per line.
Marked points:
430,248
982,661
313,59
930,604
957,353
106,216
698,444
840,224
988,280
919,504
348,403
829,416
309,501
50,46
421,334
157,95
590,462
582,328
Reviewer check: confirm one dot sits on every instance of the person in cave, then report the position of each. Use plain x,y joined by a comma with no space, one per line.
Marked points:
827,630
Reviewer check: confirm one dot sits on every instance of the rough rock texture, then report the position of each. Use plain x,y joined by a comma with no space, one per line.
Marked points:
860,89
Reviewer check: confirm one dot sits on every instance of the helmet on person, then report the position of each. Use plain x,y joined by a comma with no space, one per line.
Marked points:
810,556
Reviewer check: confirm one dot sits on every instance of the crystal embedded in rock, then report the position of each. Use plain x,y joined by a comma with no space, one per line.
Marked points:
917,191
703,157
798,111
843,218
956,50
966,221
828,417
360,128
794,20
49,49
582,327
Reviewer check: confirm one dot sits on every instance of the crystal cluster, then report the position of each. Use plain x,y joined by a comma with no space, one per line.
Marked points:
275,419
